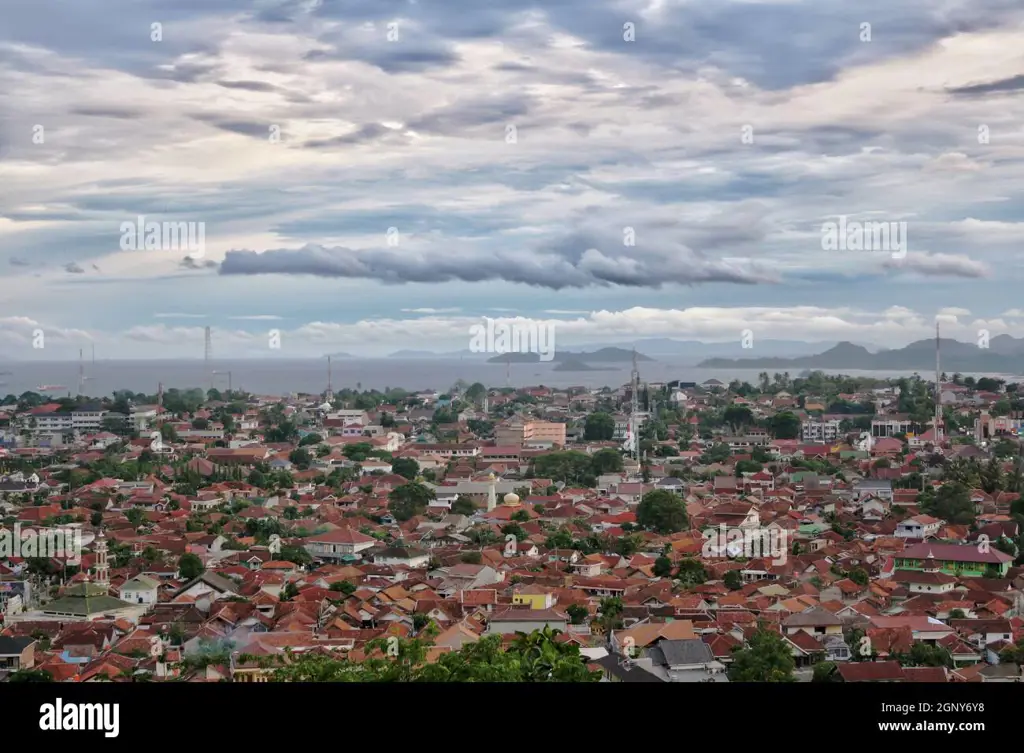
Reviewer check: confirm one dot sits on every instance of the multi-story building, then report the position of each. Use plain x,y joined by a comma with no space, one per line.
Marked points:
820,431
989,427
88,419
519,432
890,426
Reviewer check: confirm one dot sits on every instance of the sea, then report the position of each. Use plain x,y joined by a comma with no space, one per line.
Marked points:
288,376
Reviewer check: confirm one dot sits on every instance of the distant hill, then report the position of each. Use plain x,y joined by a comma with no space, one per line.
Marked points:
432,354
1005,354
604,355
696,350
340,355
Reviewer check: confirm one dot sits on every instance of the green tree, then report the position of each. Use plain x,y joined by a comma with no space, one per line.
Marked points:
409,500
534,657
30,675
190,566
406,467
952,503
691,572
662,567
765,658
463,505
609,610
663,512
784,425
859,576
733,580
606,461
825,671
577,613
599,427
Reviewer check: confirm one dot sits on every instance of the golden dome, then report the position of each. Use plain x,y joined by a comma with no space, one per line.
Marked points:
511,498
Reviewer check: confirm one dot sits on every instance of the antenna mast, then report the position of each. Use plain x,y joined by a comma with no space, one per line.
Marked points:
938,386
330,388
634,408
209,355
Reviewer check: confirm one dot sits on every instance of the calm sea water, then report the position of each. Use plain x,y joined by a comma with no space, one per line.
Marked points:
280,377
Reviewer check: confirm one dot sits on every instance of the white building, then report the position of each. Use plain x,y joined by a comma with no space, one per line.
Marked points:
820,431
140,590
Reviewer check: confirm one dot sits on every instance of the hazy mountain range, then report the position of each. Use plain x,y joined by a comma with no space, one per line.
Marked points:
604,355
1004,354
652,347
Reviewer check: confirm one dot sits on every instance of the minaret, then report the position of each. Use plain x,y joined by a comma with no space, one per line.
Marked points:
492,494
102,568
485,405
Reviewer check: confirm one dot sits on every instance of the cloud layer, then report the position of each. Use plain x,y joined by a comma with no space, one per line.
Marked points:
368,160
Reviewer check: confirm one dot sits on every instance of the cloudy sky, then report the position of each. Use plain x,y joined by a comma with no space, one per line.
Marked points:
380,174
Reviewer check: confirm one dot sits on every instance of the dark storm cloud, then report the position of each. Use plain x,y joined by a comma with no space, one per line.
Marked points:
1016,83
14,261
460,116
119,113
568,264
389,57
256,130
364,134
189,263
74,269
251,86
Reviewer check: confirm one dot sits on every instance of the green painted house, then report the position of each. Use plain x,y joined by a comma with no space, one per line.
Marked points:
955,559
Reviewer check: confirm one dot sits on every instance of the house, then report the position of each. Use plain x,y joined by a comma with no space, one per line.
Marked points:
955,559
873,487
520,620
206,585
688,660
534,597
140,590
817,621
918,527
878,671
400,555
341,544
17,653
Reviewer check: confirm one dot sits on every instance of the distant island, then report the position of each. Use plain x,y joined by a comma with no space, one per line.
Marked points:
1004,354
604,355
340,355
429,354
575,365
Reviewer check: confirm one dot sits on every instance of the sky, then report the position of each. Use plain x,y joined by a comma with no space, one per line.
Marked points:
375,175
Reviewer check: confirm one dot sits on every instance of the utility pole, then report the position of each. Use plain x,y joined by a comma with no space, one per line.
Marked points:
208,355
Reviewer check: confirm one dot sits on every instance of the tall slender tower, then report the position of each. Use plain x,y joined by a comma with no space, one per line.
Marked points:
492,493
330,389
81,372
938,387
160,395
634,409
102,567
208,355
